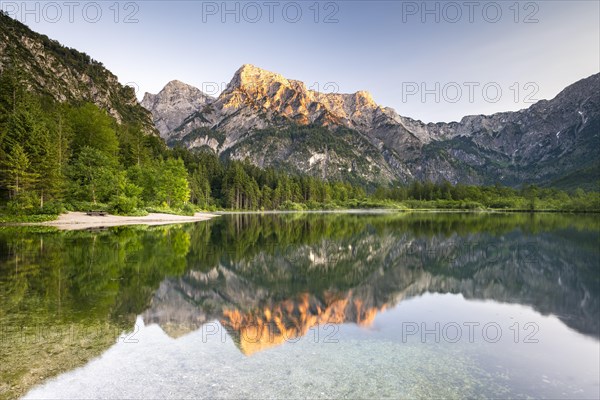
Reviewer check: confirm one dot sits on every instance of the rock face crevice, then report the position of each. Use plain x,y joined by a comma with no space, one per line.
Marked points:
542,144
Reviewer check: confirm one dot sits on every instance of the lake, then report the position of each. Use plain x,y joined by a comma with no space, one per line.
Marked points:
319,305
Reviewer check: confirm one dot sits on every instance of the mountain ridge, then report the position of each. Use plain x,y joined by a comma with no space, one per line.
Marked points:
506,147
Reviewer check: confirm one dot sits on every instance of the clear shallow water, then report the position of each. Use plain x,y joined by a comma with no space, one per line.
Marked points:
295,306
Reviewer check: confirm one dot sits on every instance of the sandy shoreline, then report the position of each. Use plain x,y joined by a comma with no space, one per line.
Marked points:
80,220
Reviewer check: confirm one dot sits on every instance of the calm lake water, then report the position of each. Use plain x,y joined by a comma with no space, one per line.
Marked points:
305,305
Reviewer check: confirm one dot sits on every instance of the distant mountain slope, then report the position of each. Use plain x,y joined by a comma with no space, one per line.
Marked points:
541,144
66,74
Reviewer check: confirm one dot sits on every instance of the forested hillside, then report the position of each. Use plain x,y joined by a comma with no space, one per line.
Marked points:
67,75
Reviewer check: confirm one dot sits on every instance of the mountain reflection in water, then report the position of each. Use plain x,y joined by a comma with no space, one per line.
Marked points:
271,278
342,270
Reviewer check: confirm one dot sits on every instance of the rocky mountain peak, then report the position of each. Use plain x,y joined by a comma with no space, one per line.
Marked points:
256,82
277,96
176,101
365,97
177,86
249,76
180,90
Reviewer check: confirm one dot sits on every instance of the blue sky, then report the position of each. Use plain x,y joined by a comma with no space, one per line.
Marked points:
434,61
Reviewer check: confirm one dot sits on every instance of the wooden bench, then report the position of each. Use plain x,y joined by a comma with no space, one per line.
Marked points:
96,213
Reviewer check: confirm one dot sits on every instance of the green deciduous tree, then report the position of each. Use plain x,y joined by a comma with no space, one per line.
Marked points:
172,185
94,128
93,176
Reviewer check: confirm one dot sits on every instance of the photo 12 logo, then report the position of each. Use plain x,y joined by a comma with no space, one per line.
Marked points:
454,92
453,12
214,89
325,12
471,332
72,11
271,333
